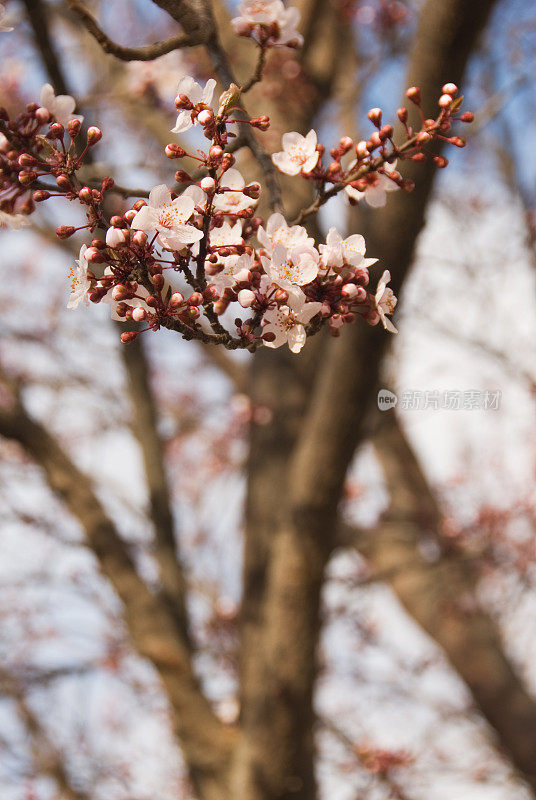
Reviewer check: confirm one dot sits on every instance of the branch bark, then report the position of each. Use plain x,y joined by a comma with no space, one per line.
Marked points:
206,743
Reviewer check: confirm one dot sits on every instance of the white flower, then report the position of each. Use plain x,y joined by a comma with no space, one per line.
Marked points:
226,234
377,186
15,221
338,251
299,153
80,284
233,201
61,107
287,322
278,232
168,217
385,301
197,95
290,268
4,28
233,266
266,14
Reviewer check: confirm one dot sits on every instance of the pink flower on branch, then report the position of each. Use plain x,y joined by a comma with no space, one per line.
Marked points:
299,153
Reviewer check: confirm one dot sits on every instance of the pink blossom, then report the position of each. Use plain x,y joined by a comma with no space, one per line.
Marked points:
299,153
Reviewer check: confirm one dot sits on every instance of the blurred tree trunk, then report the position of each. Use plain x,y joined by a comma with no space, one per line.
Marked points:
298,463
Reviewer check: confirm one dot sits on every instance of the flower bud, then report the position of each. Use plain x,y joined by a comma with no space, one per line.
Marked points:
346,143
140,238
129,216
26,160
450,88
253,190
220,307
42,115
173,150
246,298
281,297
362,150
193,312
182,177
40,195
423,137
215,152
182,101
26,177
64,183
158,281
262,123
205,116
64,231
227,161
467,116
94,135
349,291
139,314
139,204
414,94
73,128
457,141
402,115
120,292
195,299
441,161
84,195
445,101
176,299
128,336
207,184
107,183
375,116
56,131
116,237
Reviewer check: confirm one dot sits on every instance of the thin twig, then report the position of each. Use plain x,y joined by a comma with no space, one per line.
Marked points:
146,53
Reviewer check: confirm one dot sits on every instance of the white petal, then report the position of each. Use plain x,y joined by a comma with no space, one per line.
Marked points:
145,219
296,338
292,138
233,179
159,196
183,123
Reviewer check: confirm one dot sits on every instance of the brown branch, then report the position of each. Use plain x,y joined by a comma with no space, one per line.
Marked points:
205,743
146,53
145,428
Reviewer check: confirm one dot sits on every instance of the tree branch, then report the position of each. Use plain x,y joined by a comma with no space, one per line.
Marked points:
146,53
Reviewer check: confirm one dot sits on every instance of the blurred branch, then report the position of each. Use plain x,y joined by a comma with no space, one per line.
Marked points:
205,743
145,53
40,28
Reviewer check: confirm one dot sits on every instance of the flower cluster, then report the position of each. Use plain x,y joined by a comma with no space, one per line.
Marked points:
268,22
196,258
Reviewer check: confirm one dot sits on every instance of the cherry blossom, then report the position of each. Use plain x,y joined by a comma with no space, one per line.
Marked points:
299,153
290,268
338,251
15,221
233,201
80,283
377,186
385,301
226,234
168,217
272,18
278,232
198,96
61,107
287,323
233,267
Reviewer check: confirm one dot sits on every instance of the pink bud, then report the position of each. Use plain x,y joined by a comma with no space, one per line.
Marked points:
120,292
139,314
445,100
128,336
450,88
94,135
174,151
402,114
246,298
362,150
115,237
74,128
215,151
140,238
207,184
205,116
195,299
64,231
129,215
176,299
375,116
243,276
349,291
414,94
42,115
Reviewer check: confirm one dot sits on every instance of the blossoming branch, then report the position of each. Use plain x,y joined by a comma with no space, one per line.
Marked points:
244,280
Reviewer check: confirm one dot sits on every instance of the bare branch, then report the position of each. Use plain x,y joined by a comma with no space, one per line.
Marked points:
146,53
